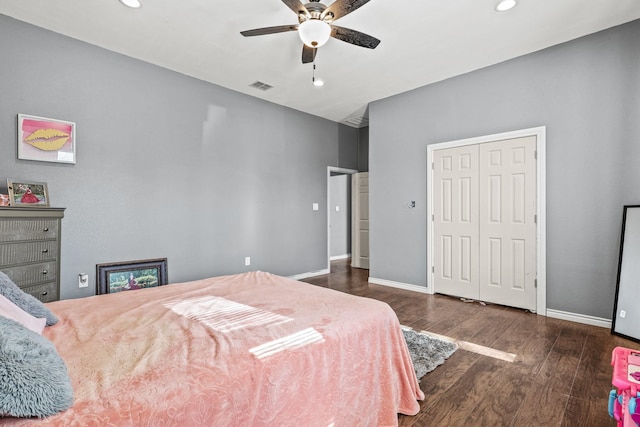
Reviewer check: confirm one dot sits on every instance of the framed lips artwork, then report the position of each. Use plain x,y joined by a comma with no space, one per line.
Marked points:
46,140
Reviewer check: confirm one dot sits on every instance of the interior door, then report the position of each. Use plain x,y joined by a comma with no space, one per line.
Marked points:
455,201
508,222
360,220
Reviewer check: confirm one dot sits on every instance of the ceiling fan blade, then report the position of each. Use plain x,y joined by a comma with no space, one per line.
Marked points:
296,6
354,37
340,8
269,30
308,54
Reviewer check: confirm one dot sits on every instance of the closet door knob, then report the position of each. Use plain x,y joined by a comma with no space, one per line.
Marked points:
44,251
46,229
45,271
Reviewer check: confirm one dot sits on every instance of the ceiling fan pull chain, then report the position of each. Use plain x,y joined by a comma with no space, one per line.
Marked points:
313,76
318,82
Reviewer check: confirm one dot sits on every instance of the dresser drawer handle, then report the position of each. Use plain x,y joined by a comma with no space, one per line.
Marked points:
46,229
45,271
44,251
44,293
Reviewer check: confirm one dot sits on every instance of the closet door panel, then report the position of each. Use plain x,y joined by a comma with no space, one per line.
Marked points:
455,187
507,228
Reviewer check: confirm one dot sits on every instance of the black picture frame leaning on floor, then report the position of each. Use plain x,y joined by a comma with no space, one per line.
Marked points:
130,275
626,309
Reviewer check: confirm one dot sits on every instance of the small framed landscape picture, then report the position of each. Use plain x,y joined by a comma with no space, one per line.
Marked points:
130,275
27,193
46,140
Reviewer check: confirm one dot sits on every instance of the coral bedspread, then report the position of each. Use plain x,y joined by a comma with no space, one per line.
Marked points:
252,349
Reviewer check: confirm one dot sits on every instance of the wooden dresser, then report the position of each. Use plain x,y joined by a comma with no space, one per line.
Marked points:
30,249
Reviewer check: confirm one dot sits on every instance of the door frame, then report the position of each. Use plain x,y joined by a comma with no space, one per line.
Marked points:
541,228
341,171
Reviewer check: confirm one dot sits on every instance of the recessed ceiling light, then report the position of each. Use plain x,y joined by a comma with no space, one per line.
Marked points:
505,5
131,3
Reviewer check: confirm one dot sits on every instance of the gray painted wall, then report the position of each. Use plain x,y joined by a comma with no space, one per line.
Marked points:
167,165
587,93
363,149
340,220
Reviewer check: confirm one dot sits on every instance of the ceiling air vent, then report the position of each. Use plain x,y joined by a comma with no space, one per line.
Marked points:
357,122
260,85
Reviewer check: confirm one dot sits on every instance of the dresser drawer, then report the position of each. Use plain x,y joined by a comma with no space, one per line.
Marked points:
21,253
30,249
31,229
45,292
32,274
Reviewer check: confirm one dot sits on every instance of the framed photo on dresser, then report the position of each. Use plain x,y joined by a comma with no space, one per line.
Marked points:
27,193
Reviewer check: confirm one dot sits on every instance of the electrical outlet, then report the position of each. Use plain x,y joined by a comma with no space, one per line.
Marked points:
623,314
315,206
83,280
247,260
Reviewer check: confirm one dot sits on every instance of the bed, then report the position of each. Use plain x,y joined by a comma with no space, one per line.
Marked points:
252,349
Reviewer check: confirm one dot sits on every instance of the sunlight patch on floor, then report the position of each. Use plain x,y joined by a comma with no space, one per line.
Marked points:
476,348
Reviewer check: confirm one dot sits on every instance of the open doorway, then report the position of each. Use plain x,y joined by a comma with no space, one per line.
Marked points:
338,213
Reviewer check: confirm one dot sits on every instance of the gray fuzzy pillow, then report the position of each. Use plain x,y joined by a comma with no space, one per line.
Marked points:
28,303
34,381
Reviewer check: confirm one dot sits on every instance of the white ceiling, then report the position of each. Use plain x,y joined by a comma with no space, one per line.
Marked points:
422,42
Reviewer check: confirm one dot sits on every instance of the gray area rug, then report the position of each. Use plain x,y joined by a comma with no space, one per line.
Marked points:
427,353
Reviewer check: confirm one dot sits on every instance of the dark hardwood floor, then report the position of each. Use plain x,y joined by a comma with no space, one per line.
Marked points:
561,375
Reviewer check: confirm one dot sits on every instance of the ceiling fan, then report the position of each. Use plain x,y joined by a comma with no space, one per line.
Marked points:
315,26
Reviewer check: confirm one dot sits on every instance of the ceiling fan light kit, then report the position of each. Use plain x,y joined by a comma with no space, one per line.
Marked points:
505,5
314,32
315,26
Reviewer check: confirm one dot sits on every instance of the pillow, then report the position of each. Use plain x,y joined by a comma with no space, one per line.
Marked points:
28,303
13,312
34,381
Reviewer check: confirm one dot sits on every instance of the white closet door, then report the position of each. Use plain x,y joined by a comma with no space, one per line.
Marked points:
507,222
455,196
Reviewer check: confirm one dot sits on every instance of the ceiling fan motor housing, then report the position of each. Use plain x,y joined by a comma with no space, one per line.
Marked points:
314,11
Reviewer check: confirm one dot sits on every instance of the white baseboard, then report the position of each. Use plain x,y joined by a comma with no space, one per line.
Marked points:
580,318
336,257
392,284
310,274
556,314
